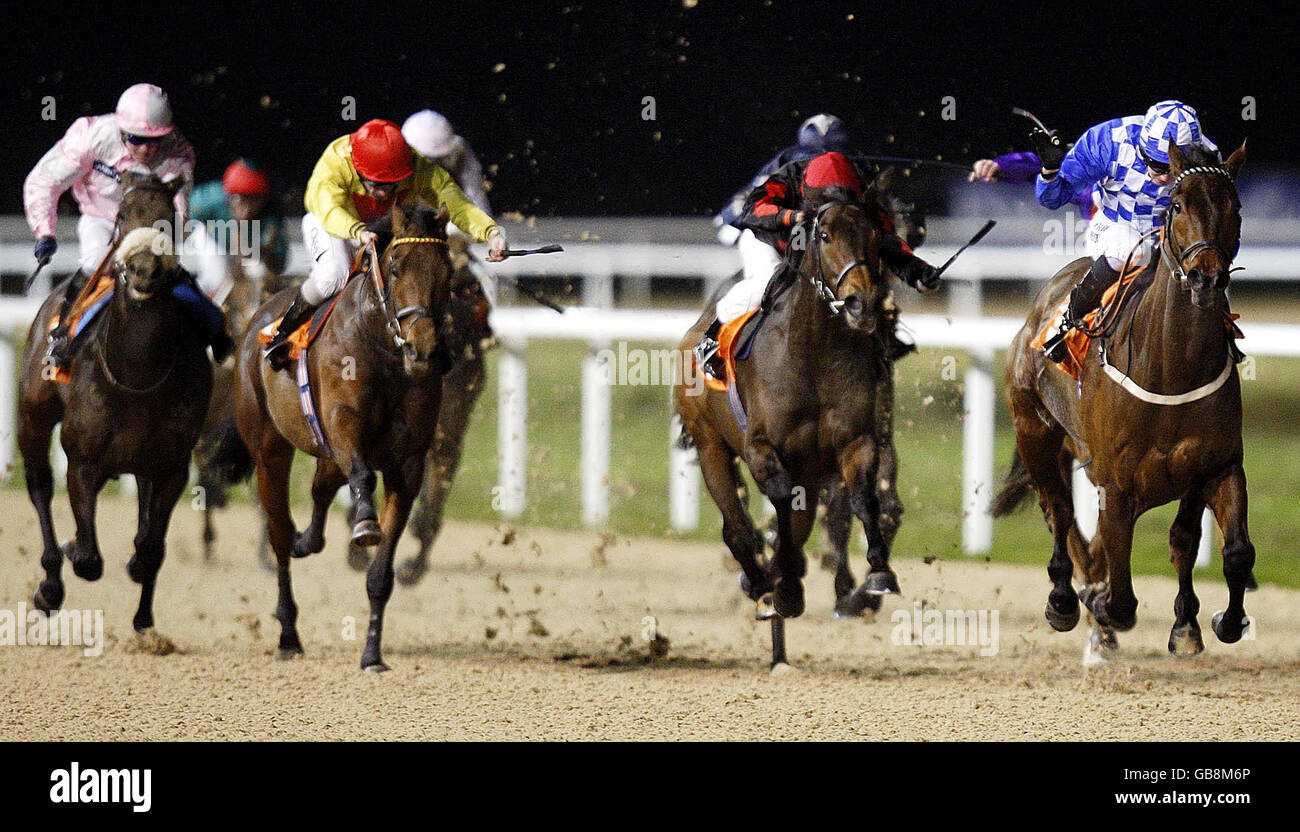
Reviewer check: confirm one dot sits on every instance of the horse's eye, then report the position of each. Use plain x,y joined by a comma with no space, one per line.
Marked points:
1178,207
824,237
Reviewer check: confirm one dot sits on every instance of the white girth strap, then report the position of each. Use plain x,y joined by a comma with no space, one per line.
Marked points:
1158,398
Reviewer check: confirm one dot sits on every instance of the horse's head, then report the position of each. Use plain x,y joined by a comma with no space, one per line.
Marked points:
909,220
844,256
1203,223
144,264
146,200
417,269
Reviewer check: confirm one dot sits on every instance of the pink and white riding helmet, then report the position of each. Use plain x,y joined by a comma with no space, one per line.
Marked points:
143,110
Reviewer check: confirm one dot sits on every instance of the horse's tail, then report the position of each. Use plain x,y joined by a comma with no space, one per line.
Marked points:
1014,490
232,459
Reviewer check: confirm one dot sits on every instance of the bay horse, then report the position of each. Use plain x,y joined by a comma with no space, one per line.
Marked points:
1156,414
808,389
378,387
467,335
136,397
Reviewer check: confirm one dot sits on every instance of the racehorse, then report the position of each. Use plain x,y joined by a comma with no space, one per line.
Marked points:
136,396
377,370
1155,414
808,389
467,335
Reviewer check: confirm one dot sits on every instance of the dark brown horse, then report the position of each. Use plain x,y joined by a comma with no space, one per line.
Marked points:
808,390
377,370
136,398
1156,415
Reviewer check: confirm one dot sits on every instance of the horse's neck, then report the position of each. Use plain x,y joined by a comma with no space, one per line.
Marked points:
1175,345
141,337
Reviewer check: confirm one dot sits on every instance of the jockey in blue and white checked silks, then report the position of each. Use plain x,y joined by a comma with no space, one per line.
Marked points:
1127,160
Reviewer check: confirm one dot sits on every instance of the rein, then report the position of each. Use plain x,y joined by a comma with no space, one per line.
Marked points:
828,292
102,361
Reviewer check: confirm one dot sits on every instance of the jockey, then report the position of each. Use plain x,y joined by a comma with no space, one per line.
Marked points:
430,134
1127,160
785,200
226,208
357,180
138,137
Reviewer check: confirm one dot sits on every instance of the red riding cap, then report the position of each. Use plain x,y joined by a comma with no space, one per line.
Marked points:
242,179
379,153
832,169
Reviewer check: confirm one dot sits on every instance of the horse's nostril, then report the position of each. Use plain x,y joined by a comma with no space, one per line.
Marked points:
853,304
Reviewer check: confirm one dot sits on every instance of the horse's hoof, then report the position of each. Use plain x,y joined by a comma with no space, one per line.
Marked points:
1224,628
48,597
366,533
410,571
1098,604
285,654
765,609
881,582
787,598
1186,640
1101,645
303,546
88,569
375,667
1062,621
851,606
358,558
754,592
135,571
783,669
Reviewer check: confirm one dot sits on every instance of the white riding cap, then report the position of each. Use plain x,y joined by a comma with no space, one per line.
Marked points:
430,134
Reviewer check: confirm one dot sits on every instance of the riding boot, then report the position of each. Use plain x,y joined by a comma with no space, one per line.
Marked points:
60,339
706,352
277,351
1084,297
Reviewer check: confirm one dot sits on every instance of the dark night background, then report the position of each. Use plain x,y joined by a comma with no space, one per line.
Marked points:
561,120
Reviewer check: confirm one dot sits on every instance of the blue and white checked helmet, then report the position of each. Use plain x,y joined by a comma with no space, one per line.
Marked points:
823,132
1166,122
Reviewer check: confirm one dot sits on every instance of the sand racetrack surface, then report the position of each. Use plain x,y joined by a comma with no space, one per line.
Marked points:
538,634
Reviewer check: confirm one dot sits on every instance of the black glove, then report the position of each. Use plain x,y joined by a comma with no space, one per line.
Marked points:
45,248
222,346
1049,147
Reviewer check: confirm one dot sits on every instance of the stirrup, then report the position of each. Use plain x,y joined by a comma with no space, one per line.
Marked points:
706,353
276,354
1055,348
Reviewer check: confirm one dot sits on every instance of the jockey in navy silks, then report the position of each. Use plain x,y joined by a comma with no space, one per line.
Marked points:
1127,161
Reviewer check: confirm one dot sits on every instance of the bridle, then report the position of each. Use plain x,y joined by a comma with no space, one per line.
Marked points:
393,318
1175,258
829,292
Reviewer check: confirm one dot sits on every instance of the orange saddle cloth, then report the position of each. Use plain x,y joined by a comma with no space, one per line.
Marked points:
727,336
302,337
92,299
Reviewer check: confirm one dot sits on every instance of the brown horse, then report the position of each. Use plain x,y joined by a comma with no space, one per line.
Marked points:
1156,414
808,390
137,394
377,366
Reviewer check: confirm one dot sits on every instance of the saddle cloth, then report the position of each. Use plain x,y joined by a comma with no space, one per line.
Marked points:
734,341
306,333
85,307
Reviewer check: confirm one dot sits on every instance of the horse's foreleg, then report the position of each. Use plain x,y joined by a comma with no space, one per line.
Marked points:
400,488
34,444
718,468
273,465
84,483
346,428
838,529
1184,538
1227,499
794,521
858,467
324,485
1115,606
157,501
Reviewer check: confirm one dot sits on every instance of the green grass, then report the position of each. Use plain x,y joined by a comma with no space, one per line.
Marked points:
928,432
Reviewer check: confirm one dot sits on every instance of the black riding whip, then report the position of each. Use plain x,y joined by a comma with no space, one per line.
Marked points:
979,235
40,264
524,290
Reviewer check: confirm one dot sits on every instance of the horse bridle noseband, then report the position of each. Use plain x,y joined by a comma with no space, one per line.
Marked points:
393,319
1174,257
828,292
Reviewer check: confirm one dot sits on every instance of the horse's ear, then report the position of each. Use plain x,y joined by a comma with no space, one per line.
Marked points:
1236,161
1177,161
887,179
174,187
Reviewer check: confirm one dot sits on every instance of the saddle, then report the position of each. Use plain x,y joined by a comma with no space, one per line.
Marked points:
1078,341
302,337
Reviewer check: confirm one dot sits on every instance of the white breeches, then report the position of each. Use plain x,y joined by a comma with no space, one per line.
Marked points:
1114,240
94,234
331,259
759,262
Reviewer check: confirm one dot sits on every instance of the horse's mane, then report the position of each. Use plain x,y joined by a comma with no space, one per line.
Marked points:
1201,156
421,216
